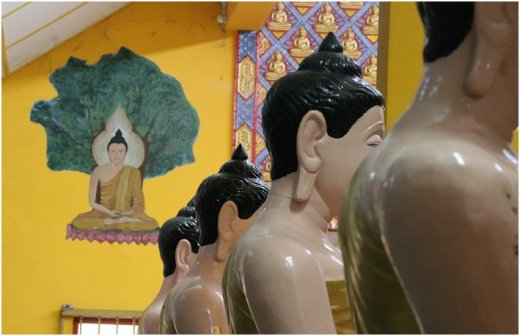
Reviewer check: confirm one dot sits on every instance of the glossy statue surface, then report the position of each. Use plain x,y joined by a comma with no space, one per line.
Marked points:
284,276
226,203
429,229
178,247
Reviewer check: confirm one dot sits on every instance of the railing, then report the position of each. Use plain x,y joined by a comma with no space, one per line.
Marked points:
101,317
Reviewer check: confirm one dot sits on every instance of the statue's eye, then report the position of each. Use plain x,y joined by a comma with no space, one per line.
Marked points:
374,141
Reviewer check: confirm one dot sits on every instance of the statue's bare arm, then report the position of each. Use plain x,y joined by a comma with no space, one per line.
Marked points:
285,288
200,311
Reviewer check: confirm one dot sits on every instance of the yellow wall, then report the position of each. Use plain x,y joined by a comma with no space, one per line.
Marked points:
40,269
405,65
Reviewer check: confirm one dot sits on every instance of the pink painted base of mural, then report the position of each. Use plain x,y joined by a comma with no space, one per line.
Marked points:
111,236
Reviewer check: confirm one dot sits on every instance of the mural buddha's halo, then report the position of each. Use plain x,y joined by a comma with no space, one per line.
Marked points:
119,120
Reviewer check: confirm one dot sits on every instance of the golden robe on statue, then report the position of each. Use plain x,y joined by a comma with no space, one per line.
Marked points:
123,193
241,319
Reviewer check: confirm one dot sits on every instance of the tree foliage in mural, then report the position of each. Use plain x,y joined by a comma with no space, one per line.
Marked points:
88,94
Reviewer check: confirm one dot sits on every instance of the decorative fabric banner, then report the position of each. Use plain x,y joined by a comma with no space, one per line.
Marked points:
293,31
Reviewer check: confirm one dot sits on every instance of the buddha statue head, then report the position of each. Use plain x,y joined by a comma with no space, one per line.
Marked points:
226,202
179,241
374,9
325,97
326,8
491,30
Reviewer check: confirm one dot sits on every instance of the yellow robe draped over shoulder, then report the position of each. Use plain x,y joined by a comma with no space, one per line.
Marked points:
240,319
122,193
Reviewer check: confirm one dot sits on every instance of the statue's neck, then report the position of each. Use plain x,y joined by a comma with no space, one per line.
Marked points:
312,215
443,95
207,265
168,283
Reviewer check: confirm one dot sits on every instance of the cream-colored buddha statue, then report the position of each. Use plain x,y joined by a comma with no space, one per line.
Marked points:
276,67
372,22
350,46
301,44
429,228
326,20
279,19
370,70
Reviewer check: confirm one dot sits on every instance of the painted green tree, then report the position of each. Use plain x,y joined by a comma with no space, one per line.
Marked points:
88,94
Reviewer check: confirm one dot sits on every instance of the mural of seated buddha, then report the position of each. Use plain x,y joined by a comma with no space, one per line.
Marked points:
115,192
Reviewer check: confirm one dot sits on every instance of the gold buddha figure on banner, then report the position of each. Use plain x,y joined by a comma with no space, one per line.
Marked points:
276,67
326,20
279,19
372,22
350,45
370,70
301,44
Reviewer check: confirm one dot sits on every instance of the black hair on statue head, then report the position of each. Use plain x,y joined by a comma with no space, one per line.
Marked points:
446,24
183,226
118,139
327,81
240,165
330,58
238,180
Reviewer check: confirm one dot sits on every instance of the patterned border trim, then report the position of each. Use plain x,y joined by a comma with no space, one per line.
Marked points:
111,236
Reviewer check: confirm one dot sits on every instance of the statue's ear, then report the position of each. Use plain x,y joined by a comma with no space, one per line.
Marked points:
493,31
311,130
182,256
226,237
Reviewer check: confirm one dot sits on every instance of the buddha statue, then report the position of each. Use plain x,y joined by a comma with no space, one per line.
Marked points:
301,44
279,19
429,228
115,194
276,67
350,45
370,70
225,204
371,26
326,21
178,248
284,275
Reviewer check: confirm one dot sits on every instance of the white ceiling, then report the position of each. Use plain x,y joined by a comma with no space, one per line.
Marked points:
30,29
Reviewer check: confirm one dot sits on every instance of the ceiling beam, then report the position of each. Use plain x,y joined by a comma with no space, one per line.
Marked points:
5,65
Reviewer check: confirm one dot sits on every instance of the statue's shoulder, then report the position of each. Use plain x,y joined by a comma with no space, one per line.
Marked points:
448,164
273,252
